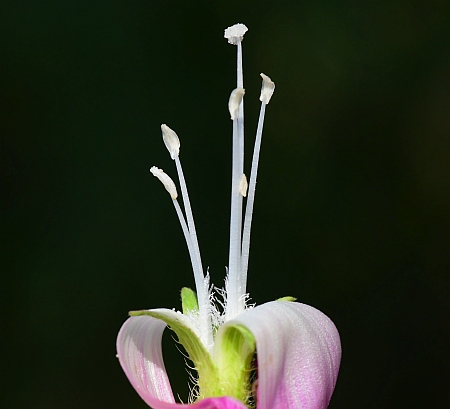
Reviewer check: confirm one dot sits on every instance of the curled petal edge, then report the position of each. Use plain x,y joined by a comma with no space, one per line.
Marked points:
140,355
298,354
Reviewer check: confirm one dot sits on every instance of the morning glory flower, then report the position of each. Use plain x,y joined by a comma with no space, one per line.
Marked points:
279,355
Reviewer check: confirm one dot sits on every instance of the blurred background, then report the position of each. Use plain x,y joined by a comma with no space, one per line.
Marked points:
352,207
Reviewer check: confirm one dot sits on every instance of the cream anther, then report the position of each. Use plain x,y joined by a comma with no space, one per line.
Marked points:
235,33
165,180
268,86
171,141
234,102
243,185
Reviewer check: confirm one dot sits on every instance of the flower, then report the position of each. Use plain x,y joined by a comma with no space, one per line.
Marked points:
279,355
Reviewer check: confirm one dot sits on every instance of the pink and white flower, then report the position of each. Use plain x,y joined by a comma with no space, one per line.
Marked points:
279,355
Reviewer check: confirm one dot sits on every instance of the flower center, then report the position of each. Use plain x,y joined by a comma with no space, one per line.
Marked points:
206,316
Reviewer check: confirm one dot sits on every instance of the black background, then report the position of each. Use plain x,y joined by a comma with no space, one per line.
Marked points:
352,206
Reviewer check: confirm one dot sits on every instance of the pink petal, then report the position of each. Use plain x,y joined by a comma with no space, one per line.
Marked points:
299,353
140,355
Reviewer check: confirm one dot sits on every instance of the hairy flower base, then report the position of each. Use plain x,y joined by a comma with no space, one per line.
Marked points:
298,352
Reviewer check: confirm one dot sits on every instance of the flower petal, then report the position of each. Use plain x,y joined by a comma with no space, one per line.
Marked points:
140,355
298,351
208,381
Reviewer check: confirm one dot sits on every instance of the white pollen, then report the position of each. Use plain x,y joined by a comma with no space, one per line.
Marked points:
235,33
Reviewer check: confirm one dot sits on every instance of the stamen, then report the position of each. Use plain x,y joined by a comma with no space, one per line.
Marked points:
267,90
170,187
166,181
235,297
198,277
243,185
171,141
201,283
203,290
235,101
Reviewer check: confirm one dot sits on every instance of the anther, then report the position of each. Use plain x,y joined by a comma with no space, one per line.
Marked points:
234,102
171,141
267,89
243,185
166,181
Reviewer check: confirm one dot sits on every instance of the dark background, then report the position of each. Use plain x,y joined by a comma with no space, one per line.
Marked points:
352,208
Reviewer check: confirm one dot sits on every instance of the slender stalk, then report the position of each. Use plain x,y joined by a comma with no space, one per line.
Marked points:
251,198
240,84
200,283
235,301
198,276
188,211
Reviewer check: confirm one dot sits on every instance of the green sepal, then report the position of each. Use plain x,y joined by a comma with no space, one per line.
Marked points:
234,352
208,375
288,298
228,373
189,301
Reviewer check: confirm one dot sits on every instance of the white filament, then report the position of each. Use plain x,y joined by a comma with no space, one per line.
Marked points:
235,296
200,282
172,143
251,197
236,284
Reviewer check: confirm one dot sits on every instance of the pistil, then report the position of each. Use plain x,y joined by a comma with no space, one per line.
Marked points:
235,303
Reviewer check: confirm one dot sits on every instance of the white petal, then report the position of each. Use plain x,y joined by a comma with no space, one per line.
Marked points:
298,353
